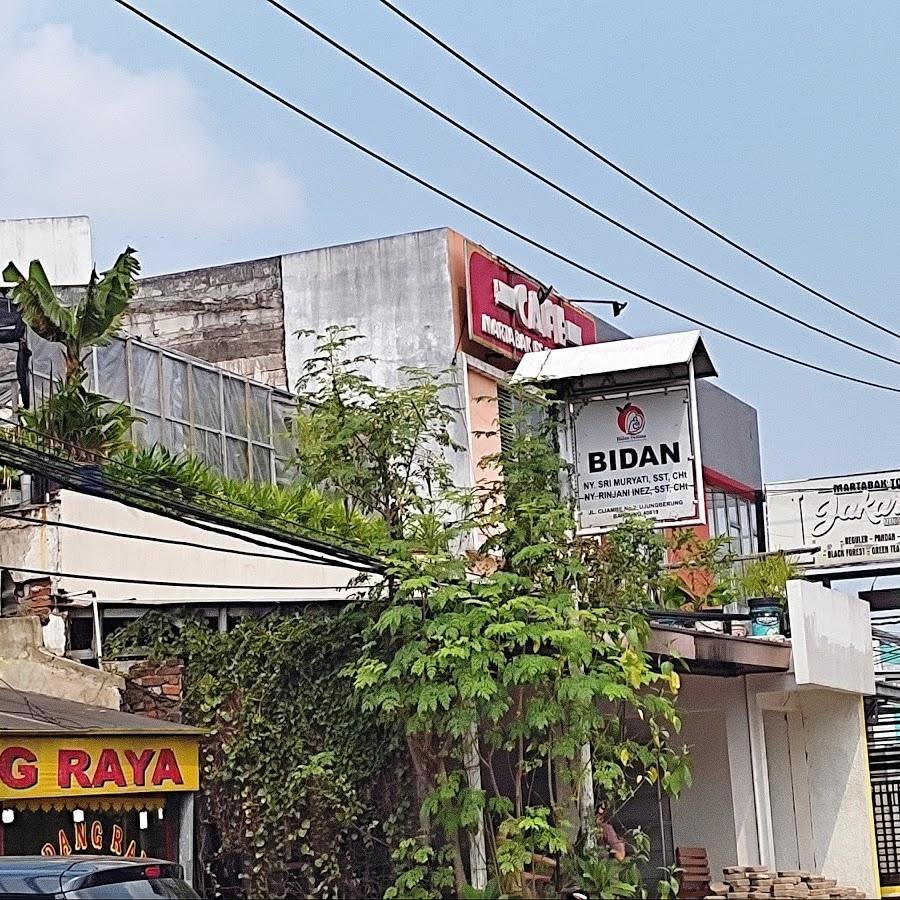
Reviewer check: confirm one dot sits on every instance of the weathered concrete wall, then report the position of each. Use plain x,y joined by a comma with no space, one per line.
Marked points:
230,315
26,666
396,292
63,245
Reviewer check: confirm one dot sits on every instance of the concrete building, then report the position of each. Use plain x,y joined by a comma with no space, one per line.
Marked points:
781,775
426,300
70,779
777,729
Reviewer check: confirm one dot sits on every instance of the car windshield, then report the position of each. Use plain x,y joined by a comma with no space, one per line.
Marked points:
154,887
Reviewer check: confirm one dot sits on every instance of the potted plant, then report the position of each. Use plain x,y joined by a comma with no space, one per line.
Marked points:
700,579
764,585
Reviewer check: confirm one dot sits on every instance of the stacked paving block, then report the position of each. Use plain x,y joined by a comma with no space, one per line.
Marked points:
760,883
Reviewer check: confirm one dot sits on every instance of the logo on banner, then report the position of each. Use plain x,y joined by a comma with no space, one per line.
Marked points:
631,420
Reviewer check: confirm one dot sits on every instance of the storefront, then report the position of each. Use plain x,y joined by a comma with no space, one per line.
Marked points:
80,779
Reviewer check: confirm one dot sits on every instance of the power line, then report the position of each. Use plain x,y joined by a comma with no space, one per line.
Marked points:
331,549
154,539
580,201
184,584
556,254
66,473
643,185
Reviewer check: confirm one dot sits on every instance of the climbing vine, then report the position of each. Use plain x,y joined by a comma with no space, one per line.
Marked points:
303,791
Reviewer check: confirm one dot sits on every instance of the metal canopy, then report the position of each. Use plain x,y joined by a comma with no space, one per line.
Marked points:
725,655
635,360
22,712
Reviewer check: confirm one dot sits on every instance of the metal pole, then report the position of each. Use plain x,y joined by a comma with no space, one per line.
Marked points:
477,851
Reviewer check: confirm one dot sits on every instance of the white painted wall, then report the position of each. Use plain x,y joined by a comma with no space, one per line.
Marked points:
396,291
817,739
63,245
780,777
718,811
78,552
837,767
831,638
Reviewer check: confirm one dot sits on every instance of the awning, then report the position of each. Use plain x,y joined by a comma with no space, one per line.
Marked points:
53,748
635,359
711,653
22,712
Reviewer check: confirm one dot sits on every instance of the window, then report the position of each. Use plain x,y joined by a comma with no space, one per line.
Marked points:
236,426
733,516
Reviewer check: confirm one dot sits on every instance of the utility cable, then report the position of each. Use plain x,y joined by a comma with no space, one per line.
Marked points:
67,473
533,242
643,185
162,479
212,586
149,538
580,201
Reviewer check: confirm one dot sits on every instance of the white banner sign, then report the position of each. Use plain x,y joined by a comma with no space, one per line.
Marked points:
636,455
854,519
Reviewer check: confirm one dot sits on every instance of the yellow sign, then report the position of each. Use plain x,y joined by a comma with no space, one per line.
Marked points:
94,766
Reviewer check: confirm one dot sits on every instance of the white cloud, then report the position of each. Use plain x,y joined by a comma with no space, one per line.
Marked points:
83,134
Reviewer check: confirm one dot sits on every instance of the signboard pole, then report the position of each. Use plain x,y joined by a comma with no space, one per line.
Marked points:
695,445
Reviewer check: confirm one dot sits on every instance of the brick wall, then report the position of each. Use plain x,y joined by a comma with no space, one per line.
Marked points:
231,315
155,690
34,598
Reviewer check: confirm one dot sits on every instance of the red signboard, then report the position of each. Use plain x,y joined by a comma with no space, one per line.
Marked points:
511,314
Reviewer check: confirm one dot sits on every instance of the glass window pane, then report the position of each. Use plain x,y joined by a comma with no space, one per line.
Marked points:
720,516
235,406
46,356
145,372
734,523
208,446
259,414
283,440
147,433
113,372
175,388
753,532
746,540
262,462
178,437
40,390
207,409
238,466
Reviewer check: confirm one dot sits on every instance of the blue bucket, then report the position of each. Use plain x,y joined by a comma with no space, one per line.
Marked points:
765,617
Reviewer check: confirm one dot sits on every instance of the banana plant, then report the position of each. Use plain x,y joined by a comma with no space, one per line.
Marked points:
92,321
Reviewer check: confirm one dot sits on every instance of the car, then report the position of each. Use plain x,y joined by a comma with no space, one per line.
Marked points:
91,877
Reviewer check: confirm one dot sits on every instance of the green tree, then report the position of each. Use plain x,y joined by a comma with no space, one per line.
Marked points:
91,321
87,423
540,654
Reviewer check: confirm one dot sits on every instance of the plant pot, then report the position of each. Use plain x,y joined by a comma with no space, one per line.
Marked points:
765,616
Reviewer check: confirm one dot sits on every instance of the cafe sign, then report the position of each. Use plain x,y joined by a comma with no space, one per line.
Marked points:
636,454
96,766
853,520
512,315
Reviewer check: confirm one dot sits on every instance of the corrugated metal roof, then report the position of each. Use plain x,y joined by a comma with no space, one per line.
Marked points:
22,712
633,354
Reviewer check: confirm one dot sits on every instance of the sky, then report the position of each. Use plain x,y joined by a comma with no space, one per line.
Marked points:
776,122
